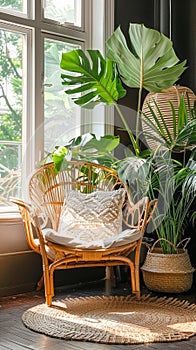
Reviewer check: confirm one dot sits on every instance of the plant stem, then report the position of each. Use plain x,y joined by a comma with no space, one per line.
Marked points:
131,136
138,116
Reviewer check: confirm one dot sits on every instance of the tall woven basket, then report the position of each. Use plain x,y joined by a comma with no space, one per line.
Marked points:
162,99
169,273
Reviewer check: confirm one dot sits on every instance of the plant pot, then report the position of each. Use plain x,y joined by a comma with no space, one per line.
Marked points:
168,273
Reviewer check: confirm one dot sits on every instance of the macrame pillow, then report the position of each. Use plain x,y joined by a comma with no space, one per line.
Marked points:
92,216
92,221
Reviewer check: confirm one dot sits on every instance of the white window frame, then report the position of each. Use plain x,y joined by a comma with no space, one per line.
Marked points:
100,118
28,110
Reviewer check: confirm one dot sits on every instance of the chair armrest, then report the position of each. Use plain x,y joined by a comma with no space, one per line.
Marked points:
25,210
20,203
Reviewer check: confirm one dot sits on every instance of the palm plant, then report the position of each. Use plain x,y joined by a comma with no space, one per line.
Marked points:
175,186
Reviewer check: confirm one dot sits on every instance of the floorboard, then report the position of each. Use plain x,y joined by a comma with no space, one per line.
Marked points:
15,336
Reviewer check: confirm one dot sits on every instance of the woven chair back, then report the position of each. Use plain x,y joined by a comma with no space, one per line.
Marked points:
47,188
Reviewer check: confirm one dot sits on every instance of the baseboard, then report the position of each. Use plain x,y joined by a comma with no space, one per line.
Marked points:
19,272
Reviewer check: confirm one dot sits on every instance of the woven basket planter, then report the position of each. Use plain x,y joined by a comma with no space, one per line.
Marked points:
162,99
170,273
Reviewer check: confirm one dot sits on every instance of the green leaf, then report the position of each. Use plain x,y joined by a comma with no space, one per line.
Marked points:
150,63
86,147
96,79
133,171
187,134
106,143
58,157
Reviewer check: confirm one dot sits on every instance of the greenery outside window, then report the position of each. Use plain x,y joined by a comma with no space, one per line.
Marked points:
67,12
56,104
23,8
14,63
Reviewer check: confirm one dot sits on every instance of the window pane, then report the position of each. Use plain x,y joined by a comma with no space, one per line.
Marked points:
68,11
16,5
61,115
10,114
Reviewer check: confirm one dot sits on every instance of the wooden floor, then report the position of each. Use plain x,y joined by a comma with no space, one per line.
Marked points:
14,335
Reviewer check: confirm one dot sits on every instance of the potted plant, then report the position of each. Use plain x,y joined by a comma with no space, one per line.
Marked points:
149,64
167,267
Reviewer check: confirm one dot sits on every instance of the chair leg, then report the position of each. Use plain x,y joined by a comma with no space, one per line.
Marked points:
48,300
137,270
48,281
48,288
132,279
110,280
137,282
40,284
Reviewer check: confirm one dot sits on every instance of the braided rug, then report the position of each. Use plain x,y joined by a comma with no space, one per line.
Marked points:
115,319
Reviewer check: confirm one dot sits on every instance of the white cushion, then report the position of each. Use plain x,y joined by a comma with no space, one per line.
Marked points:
124,237
92,221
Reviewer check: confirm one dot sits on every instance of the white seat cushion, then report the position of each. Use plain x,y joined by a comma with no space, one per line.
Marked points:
124,237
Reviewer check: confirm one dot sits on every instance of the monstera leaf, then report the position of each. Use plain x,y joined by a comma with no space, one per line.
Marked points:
150,63
95,79
86,147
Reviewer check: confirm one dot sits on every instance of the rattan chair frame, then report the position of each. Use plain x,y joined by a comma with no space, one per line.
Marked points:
47,191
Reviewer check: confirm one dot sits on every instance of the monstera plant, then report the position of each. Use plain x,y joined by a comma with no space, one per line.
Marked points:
149,63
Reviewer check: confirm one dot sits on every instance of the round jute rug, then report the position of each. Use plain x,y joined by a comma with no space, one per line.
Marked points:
115,319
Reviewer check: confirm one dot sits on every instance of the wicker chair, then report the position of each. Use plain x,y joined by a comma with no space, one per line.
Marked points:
47,192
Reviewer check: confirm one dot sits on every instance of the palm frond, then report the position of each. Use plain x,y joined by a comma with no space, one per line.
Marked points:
182,132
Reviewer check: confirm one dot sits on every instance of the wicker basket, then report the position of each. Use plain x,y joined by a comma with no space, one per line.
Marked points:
170,273
162,99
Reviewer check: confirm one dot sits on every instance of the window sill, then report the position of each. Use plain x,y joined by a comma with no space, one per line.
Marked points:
9,214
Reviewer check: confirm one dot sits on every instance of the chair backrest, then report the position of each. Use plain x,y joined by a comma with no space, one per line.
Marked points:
47,187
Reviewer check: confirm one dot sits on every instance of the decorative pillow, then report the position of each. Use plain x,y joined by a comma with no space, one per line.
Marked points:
90,217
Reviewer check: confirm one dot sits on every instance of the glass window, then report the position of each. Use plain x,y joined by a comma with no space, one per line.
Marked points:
61,115
20,118
66,11
11,6
11,106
